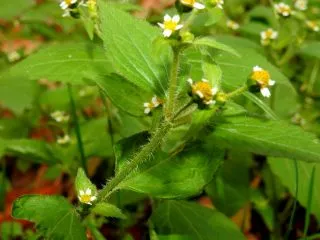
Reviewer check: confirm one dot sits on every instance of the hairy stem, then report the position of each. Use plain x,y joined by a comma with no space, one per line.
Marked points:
137,160
77,128
237,92
173,82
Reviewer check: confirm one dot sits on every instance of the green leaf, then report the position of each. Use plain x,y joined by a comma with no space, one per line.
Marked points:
263,207
311,49
272,138
108,210
14,8
228,191
16,92
174,237
13,128
96,138
35,150
124,94
10,230
68,62
82,183
285,170
213,43
128,43
169,176
193,220
54,216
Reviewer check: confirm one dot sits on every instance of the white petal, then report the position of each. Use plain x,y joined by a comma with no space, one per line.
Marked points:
263,35
199,94
179,27
154,100
73,1
63,5
147,110
271,82
210,102
167,18
274,35
89,203
81,192
257,68
214,90
198,5
190,81
146,104
265,92
161,25
88,191
93,198
220,6
176,18
204,80
167,32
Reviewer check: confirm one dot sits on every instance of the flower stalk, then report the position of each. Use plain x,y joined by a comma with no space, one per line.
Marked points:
173,82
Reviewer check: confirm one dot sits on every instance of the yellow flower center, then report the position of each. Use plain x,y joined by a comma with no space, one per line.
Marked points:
188,2
170,25
85,198
68,2
283,9
262,77
204,88
269,33
312,24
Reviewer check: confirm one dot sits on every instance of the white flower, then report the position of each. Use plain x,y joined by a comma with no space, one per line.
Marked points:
13,56
170,25
301,5
60,116
64,140
203,90
283,9
232,25
267,36
85,196
313,25
193,3
148,106
262,77
64,4
218,3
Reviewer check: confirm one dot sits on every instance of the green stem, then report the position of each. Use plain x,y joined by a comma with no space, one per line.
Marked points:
190,19
173,82
237,92
313,76
308,211
141,157
77,128
295,200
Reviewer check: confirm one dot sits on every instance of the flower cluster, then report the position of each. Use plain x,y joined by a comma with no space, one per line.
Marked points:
267,36
301,5
149,106
170,25
193,3
64,140
313,25
261,78
217,3
60,116
67,6
204,91
232,24
283,9
86,196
